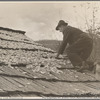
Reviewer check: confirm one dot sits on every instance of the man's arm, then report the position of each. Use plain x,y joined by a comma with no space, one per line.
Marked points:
63,44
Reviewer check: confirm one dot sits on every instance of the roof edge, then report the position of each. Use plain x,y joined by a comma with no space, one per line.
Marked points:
17,31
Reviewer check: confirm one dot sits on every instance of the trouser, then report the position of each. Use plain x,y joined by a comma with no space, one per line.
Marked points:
80,51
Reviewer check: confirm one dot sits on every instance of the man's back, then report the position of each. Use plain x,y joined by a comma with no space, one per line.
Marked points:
73,34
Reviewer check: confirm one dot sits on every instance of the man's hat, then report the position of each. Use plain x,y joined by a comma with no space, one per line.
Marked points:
61,22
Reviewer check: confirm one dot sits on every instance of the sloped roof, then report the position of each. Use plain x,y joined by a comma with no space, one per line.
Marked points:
28,69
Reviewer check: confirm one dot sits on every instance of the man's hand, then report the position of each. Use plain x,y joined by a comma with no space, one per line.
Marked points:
57,56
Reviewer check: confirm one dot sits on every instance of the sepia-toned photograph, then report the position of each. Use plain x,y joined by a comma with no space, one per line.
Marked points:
50,49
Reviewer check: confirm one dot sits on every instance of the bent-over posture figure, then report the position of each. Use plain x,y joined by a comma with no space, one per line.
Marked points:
80,44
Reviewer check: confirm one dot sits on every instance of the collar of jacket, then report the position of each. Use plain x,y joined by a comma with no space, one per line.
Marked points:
65,29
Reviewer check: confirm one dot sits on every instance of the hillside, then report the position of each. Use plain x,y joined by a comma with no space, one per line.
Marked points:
28,69
52,44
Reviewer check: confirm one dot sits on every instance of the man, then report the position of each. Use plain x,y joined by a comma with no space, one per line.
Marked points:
80,45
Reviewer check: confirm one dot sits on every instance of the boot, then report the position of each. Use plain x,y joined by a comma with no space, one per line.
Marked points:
84,66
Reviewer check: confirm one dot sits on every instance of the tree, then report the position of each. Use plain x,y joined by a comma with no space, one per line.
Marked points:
91,22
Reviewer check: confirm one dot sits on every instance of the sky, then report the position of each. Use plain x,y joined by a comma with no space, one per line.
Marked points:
39,19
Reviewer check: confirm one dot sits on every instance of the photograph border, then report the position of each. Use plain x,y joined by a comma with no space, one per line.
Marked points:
50,98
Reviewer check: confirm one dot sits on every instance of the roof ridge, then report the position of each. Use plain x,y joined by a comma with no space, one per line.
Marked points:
17,31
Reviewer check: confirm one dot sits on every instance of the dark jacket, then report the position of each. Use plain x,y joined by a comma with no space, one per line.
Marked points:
71,35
